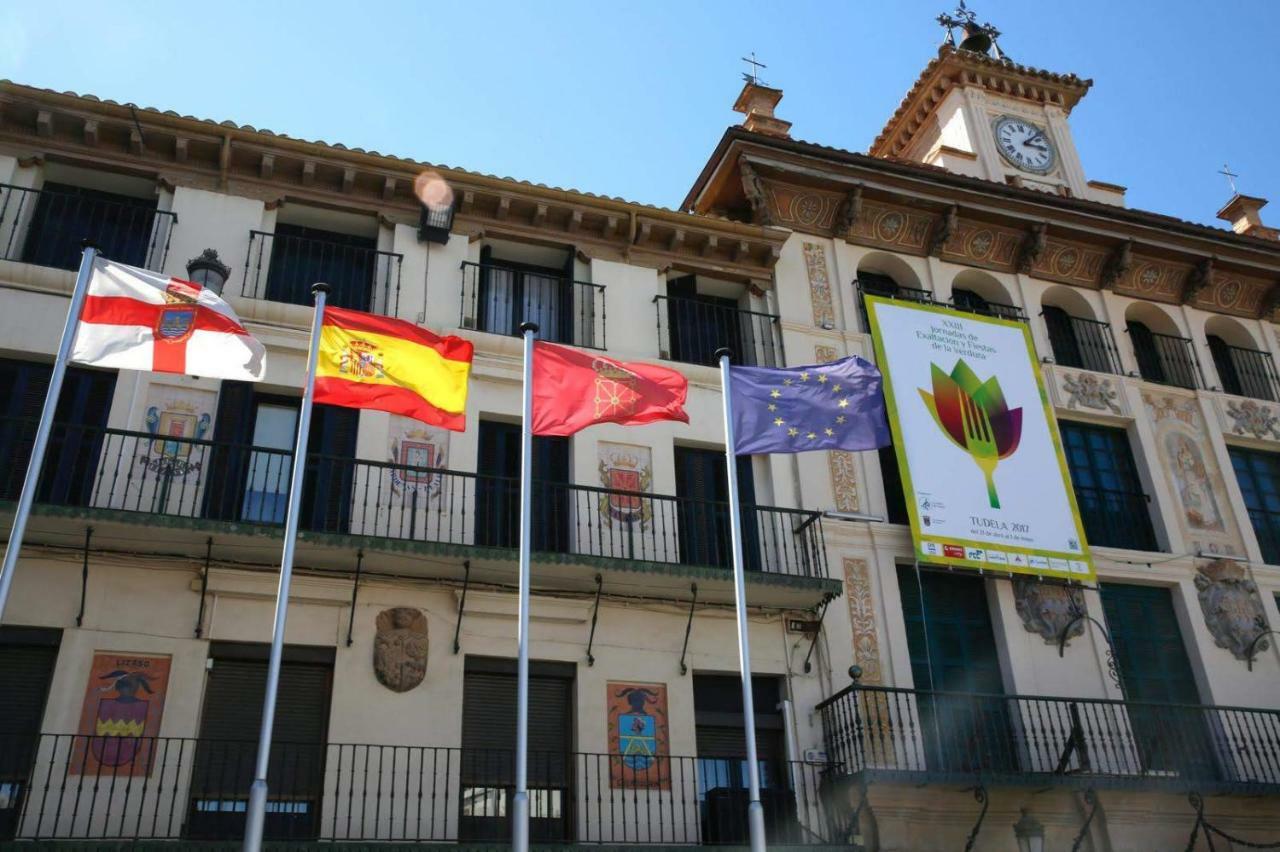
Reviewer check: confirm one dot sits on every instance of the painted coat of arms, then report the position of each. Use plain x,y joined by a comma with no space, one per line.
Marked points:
639,736
625,468
418,454
400,648
171,423
120,718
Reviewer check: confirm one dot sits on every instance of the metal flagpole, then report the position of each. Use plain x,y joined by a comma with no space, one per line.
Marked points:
257,811
755,811
520,807
36,462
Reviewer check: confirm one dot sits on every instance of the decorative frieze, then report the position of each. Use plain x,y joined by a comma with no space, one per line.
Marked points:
1085,390
980,244
842,463
891,227
1070,262
815,267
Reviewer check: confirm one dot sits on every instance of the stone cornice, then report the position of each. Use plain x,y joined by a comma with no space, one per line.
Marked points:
185,151
902,207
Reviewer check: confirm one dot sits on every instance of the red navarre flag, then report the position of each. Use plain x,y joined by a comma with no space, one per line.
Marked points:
573,389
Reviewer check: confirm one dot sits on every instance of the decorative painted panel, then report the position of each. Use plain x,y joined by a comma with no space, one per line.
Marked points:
815,267
1191,468
842,463
120,717
1248,418
802,207
1150,278
639,736
413,444
1085,391
891,227
625,467
862,619
1069,262
1231,293
980,244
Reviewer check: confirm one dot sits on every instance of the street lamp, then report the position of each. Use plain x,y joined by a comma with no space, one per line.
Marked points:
1030,833
208,271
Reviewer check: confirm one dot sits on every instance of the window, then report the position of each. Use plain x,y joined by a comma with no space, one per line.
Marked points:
721,742
874,284
124,228
702,484
1165,359
1258,474
1083,343
1244,371
302,256
968,300
891,478
488,749
498,489
75,443
27,658
515,283
701,318
1113,507
251,460
226,750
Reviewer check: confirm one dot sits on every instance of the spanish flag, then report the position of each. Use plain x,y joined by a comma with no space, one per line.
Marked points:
369,361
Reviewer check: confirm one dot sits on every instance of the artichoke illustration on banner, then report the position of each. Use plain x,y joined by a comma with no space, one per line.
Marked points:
975,416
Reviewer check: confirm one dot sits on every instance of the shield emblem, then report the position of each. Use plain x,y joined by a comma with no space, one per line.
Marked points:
117,730
174,424
415,454
637,739
624,507
175,323
400,648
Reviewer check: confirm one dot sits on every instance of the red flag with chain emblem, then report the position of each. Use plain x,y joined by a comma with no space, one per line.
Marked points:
573,389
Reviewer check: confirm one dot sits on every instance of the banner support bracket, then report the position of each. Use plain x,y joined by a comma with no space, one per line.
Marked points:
84,576
688,628
595,615
204,587
462,605
355,590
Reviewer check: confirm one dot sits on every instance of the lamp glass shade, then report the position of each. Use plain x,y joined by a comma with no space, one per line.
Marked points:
1030,833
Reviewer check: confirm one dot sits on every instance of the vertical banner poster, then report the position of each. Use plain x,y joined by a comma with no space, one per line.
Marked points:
983,472
120,717
639,736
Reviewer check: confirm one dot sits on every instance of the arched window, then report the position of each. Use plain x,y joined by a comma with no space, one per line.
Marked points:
981,293
1077,339
1164,356
1243,369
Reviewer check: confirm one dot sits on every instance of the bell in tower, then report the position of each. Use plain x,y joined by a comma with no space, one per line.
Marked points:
978,38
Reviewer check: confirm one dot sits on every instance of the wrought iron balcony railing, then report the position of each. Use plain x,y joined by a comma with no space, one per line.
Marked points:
46,227
1246,372
197,479
691,331
1166,359
918,735
497,298
282,268
1082,343
70,787
1115,518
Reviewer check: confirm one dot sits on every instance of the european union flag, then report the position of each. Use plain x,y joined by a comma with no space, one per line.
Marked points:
835,406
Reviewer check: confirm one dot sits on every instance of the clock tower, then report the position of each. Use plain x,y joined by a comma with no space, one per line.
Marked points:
976,112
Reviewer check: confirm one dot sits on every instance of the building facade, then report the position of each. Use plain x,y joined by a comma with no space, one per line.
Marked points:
133,651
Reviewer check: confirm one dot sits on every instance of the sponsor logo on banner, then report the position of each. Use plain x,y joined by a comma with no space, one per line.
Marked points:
1018,560
953,551
1059,564
931,548
975,554
997,557
1038,562
1078,567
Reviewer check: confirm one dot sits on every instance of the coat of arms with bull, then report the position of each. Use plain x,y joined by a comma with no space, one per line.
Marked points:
626,472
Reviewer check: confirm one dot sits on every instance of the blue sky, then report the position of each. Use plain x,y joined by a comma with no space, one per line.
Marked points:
629,99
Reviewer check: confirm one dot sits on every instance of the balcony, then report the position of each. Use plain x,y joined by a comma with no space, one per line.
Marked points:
282,267
170,788
46,227
1165,359
405,509
1081,343
498,298
1245,372
917,736
691,330
967,300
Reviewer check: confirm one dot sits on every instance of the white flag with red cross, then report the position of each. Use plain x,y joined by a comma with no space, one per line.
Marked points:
138,320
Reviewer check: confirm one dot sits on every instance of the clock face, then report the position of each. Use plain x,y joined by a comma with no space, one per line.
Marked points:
1024,145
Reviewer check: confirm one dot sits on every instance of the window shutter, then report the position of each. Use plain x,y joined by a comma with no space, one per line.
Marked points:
1144,348
330,473
1224,364
27,659
1062,337
229,460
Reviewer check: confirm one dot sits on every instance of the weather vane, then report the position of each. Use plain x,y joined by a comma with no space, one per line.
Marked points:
978,38
1231,178
753,76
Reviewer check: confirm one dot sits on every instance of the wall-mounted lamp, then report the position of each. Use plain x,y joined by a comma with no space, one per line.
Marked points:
1030,833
